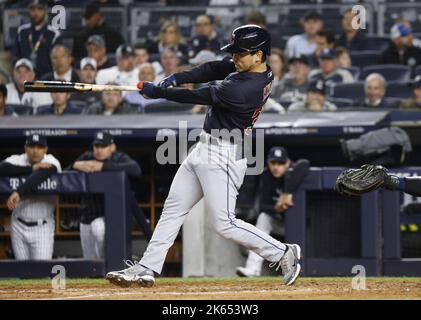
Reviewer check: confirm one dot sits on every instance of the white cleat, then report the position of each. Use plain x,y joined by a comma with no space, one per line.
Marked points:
289,264
134,274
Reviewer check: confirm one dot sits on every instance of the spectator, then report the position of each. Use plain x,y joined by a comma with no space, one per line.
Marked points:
111,103
104,157
95,46
61,59
401,49
274,196
32,222
5,110
296,80
343,58
88,73
352,39
142,56
375,89
60,106
329,71
279,66
146,73
258,18
95,25
415,101
24,71
325,39
205,38
305,44
35,40
169,62
169,37
315,100
125,72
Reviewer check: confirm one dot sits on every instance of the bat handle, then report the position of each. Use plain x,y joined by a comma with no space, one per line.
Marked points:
140,85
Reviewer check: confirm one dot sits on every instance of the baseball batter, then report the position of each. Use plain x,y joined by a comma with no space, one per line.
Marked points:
32,223
216,167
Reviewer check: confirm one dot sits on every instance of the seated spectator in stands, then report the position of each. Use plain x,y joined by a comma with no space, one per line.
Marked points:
95,25
104,157
95,46
146,73
5,110
125,72
415,101
325,39
169,62
305,44
60,106
62,60
315,99
352,39
295,83
343,58
205,36
401,49
169,37
279,65
142,56
375,89
87,73
24,71
329,71
416,42
111,103
35,40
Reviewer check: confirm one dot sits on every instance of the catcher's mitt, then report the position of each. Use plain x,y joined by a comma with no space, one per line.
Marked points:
359,181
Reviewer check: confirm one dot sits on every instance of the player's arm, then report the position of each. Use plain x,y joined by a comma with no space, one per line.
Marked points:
210,71
35,179
297,175
9,169
124,163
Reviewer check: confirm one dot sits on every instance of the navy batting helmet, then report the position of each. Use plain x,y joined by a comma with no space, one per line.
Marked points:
249,38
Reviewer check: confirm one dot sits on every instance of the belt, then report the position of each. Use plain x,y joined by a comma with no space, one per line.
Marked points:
32,224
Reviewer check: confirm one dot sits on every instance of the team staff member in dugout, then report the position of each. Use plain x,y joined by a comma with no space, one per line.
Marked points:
103,157
235,105
32,223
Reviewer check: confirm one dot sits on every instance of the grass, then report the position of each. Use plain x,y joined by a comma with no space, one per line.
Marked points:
101,281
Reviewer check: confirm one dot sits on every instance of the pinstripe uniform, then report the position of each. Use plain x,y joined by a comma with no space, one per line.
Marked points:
35,242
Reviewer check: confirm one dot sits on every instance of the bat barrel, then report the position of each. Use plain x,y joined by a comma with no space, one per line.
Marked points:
55,86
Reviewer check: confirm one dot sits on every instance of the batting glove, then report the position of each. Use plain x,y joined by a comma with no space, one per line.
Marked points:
168,82
147,89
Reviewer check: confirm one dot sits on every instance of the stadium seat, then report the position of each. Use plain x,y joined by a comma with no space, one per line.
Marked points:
376,42
173,107
398,90
417,71
21,109
342,102
391,72
351,91
355,71
365,58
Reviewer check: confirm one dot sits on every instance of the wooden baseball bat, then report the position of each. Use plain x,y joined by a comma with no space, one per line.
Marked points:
64,86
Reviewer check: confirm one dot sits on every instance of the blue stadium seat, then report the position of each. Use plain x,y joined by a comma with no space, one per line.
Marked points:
417,71
342,102
22,110
398,90
391,72
351,91
355,71
377,42
170,107
365,58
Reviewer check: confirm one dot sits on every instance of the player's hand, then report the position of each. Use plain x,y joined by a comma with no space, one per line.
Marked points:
41,165
84,166
284,202
96,166
147,90
13,201
168,82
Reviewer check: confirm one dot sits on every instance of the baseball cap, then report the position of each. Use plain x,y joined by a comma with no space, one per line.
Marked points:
416,83
88,61
124,51
400,30
41,3
91,8
312,15
203,57
301,58
103,138
97,40
327,53
24,62
279,154
317,85
36,140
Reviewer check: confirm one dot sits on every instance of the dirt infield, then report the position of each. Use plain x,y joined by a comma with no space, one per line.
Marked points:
220,289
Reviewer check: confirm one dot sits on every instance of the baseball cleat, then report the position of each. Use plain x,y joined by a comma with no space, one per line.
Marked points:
289,264
134,274
244,272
